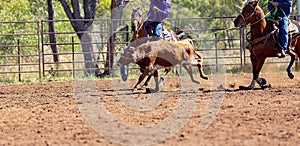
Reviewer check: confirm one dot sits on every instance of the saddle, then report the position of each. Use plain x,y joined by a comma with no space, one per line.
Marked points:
294,29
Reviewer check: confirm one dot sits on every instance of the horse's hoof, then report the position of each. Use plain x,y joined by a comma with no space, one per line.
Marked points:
124,77
291,75
263,82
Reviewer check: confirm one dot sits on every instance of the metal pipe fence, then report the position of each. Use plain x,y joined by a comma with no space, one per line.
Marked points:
25,52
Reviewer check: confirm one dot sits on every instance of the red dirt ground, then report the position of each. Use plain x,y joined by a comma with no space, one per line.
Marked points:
46,113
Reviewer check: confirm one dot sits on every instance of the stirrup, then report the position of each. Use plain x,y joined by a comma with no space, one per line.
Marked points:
281,54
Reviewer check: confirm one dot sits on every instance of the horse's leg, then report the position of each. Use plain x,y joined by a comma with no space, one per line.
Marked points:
155,74
257,64
123,73
162,78
190,72
289,68
141,78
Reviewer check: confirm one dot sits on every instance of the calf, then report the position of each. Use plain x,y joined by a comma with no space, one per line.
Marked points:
161,54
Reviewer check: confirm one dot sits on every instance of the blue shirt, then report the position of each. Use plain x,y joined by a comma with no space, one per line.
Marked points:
284,8
164,7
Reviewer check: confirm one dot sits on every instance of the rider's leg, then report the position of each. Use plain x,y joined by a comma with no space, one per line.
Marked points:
149,27
157,31
283,32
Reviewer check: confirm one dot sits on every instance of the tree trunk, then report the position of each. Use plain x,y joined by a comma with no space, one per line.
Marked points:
52,32
81,29
87,49
116,14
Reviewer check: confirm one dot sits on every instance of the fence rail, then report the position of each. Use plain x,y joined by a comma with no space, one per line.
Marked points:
25,52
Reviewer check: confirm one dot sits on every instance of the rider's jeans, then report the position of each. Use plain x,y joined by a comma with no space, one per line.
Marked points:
156,26
283,32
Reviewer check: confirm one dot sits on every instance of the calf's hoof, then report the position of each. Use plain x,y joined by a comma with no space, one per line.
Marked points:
195,81
204,77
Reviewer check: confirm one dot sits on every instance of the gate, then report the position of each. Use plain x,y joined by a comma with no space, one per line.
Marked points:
25,52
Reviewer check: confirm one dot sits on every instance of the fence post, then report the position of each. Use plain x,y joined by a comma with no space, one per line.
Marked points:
39,49
216,53
19,60
73,57
242,49
42,41
127,40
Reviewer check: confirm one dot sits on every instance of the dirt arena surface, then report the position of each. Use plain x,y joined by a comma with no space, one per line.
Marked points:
47,114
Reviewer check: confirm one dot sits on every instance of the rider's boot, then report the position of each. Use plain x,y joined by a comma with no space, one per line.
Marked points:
281,54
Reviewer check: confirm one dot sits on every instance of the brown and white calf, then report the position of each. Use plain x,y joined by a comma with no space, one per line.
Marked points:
155,55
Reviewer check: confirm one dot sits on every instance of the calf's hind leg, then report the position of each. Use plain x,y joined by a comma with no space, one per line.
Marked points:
202,75
190,72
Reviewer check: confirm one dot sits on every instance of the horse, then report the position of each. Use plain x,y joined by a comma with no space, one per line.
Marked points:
263,43
141,36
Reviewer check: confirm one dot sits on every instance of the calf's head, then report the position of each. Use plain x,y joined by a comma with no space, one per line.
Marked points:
127,57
